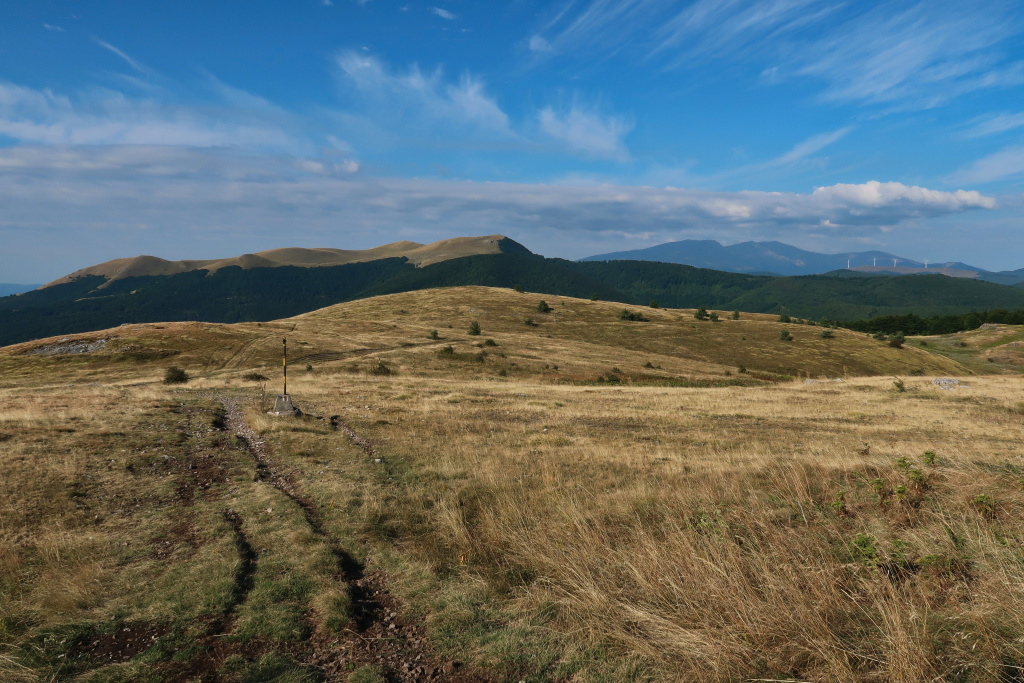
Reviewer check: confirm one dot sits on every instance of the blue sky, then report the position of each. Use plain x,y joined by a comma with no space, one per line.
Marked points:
202,130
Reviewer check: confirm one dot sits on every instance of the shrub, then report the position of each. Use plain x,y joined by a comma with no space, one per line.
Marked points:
985,506
543,307
922,343
784,318
917,372
713,316
784,335
631,315
741,369
490,342
434,335
701,313
309,368
474,328
827,334
898,384
254,377
594,297
381,369
878,335
446,352
649,364
896,340
503,373
530,322
653,304
518,289
928,457
735,315
175,375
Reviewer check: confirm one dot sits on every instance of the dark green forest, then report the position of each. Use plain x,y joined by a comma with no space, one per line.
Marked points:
913,304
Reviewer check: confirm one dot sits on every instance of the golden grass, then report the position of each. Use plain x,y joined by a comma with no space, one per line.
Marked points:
544,524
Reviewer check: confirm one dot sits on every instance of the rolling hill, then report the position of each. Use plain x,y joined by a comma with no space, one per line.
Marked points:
232,293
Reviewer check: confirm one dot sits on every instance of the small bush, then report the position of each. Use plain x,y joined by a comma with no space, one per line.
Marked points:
784,318
985,506
594,297
898,384
503,373
309,368
827,334
653,304
474,328
649,364
713,317
784,335
896,340
254,377
922,343
735,315
917,372
381,369
632,315
878,335
434,335
741,369
701,313
543,307
175,375
928,458
490,342
446,352
530,322
518,289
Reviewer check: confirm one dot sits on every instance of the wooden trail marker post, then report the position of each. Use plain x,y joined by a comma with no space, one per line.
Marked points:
283,404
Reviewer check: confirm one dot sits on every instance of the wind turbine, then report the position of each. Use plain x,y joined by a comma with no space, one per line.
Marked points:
874,262
926,264
894,263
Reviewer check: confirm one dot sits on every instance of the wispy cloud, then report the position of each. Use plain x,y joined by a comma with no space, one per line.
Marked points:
587,131
131,62
1003,164
993,124
812,145
889,52
443,13
418,97
53,27
105,117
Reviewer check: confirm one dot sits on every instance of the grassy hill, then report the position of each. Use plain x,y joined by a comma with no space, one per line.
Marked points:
578,340
587,498
236,294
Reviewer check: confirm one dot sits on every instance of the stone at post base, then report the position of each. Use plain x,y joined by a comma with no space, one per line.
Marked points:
283,406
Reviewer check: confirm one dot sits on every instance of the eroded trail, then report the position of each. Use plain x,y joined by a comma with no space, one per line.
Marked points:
378,634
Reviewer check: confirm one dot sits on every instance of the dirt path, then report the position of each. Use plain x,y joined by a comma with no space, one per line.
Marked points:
378,635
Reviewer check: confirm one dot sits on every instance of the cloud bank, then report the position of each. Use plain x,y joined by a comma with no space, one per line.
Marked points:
150,198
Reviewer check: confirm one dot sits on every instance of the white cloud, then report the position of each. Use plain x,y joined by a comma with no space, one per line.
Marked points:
587,131
415,95
1004,163
443,13
52,27
217,198
327,3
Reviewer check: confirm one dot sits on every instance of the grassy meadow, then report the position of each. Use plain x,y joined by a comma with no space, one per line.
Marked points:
583,498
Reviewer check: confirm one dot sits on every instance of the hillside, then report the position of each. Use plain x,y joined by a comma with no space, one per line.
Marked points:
578,340
416,254
235,294
585,498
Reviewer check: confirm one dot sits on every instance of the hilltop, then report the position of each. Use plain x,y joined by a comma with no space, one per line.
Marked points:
577,340
415,253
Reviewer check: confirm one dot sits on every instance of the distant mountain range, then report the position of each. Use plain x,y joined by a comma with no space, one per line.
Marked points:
777,258
130,291
8,288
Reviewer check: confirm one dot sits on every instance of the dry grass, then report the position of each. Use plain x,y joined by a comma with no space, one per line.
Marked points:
549,526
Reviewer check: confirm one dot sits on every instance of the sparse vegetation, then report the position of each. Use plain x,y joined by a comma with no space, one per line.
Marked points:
543,307
701,313
784,335
827,334
713,316
634,316
474,328
433,335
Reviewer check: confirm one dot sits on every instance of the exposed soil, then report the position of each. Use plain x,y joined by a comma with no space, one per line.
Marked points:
120,645
378,635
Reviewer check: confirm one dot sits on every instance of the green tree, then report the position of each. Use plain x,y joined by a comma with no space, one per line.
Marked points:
701,313
474,328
